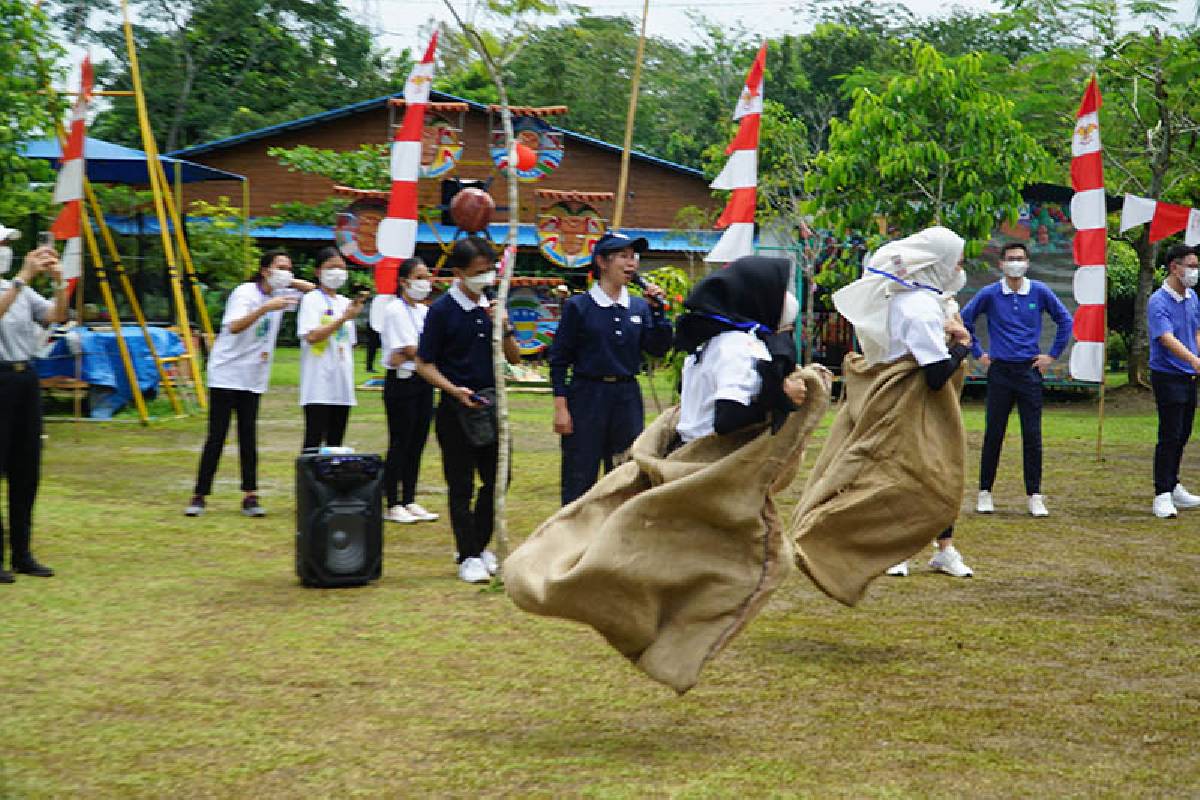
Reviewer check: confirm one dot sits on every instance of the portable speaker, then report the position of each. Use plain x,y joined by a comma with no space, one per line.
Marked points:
339,519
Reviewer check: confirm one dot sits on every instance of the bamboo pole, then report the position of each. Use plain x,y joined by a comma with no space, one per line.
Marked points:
185,256
158,191
246,220
623,179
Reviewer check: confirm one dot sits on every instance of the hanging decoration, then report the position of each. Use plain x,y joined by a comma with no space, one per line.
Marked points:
570,225
68,189
442,141
1166,219
538,146
1088,212
740,175
357,227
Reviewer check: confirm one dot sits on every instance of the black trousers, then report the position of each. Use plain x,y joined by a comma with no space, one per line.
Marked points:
324,424
1175,397
409,406
373,342
607,418
20,456
460,462
1010,382
222,403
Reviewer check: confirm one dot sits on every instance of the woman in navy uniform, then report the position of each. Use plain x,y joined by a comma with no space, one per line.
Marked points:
601,337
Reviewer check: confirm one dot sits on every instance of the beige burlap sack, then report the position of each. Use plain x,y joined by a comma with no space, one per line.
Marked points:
670,556
889,480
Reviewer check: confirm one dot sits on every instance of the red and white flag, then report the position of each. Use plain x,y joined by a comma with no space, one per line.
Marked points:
1088,214
68,189
1166,219
740,175
397,234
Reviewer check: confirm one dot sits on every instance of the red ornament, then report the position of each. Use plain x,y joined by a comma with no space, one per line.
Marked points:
526,157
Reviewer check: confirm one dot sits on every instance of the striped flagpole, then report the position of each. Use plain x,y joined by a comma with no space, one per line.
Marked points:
68,189
1090,246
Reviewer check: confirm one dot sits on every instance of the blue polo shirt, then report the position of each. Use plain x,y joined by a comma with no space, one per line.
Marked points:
1014,320
1168,312
598,336
457,339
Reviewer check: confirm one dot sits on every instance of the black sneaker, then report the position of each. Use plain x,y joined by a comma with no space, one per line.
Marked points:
195,508
6,576
251,507
30,566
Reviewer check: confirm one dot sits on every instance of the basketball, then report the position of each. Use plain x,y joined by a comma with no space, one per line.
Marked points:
471,209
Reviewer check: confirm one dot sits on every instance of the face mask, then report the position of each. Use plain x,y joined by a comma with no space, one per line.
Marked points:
791,307
957,282
419,288
1189,277
279,279
477,283
5,259
1014,269
333,278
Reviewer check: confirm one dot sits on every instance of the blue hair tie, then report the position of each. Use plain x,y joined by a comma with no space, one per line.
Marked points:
748,327
904,283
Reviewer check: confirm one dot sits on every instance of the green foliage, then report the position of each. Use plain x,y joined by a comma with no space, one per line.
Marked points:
222,257
934,147
365,168
26,46
323,213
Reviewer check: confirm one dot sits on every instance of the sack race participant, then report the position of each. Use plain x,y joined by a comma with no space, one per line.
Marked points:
672,553
890,477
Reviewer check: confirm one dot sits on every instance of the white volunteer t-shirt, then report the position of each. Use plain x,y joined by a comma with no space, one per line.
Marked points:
915,323
327,367
402,326
726,371
242,361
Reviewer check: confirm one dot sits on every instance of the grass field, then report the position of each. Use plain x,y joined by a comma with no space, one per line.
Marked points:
176,657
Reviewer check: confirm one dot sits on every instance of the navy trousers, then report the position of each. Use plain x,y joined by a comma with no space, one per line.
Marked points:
1175,396
1009,383
607,417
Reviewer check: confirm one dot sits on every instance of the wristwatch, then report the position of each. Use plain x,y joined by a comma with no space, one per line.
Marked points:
18,283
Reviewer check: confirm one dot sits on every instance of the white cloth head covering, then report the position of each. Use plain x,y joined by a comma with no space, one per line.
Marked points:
927,260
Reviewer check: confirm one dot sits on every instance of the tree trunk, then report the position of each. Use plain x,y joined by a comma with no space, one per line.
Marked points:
1139,348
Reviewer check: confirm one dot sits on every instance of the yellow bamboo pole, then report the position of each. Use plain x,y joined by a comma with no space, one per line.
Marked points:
246,220
623,179
185,253
157,190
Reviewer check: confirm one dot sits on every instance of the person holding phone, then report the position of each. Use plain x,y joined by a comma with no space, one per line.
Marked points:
24,316
239,373
455,355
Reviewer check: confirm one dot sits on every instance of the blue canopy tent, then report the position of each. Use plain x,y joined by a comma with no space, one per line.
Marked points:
114,163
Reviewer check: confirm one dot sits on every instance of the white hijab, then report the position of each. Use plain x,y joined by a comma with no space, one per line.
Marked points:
925,261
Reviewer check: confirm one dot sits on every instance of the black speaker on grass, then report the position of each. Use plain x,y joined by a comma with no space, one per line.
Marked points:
339,519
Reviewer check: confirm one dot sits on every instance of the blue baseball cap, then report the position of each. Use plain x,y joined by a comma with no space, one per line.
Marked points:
612,242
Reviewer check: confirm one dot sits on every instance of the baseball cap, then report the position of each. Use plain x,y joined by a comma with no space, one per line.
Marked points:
612,242
9,233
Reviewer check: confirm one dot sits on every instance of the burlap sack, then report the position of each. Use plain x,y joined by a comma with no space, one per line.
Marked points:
669,557
889,480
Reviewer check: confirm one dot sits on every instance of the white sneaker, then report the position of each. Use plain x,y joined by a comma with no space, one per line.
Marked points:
1163,507
984,504
472,570
419,512
898,570
1182,498
950,562
399,513
490,561
1037,505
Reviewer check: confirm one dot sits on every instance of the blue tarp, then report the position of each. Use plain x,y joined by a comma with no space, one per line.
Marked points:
114,163
101,364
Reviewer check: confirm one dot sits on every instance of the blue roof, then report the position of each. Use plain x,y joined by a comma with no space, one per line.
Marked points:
366,105
114,163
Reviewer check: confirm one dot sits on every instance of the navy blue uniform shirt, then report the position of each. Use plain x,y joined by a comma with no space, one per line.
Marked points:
457,339
1014,320
598,337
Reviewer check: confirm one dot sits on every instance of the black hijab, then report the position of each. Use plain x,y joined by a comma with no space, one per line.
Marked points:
747,295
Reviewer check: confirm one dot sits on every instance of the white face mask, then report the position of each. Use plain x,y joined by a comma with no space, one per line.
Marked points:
6,259
1014,269
791,307
279,279
419,288
333,278
957,282
1189,277
477,283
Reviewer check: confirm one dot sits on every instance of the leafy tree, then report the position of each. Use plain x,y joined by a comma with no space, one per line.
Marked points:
368,167
934,147
23,74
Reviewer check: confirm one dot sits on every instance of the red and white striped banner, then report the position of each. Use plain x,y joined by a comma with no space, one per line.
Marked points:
1088,214
397,234
1165,219
68,189
740,175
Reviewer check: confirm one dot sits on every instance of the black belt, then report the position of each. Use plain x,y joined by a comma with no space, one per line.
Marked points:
15,366
606,378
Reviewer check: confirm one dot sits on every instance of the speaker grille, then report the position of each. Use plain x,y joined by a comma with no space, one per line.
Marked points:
345,544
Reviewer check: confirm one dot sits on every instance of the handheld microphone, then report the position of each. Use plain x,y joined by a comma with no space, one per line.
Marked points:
637,280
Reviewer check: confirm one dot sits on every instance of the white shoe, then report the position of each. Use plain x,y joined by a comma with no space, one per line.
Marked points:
1182,498
490,561
418,511
1037,505
950,562
984,504
399,513
1163,507
472,570
898,570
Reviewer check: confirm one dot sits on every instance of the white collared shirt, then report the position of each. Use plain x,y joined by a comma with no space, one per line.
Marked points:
604,301
23,326
1022,290
466,303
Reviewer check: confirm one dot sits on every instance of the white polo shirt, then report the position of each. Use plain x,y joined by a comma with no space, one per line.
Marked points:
727,370
402,326
23,326
915,325
327,367
242,361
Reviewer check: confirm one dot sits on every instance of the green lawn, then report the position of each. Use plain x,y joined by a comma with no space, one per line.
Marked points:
176,657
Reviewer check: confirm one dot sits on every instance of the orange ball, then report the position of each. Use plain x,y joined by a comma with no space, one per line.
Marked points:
526,157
